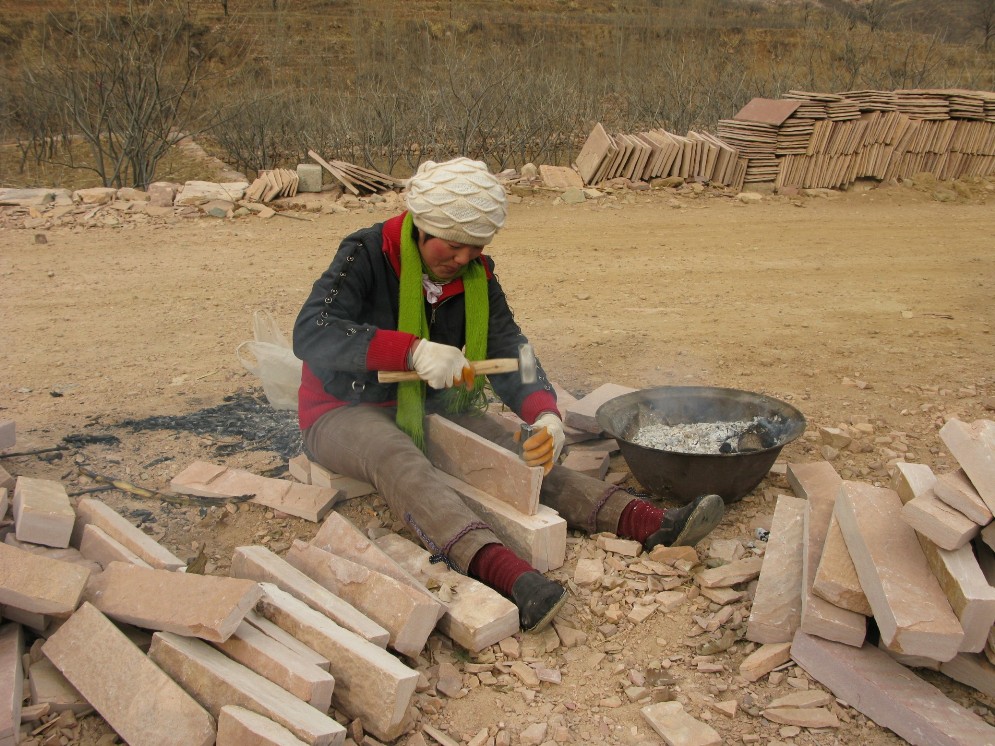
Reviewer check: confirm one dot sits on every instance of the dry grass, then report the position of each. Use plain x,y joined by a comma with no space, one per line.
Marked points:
374,82
178,166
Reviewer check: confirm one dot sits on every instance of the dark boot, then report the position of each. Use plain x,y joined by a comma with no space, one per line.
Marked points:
538,599
686,526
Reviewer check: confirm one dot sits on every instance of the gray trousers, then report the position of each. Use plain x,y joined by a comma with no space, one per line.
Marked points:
365,443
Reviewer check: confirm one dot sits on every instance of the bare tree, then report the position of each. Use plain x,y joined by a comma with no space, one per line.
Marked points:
874,12
127,82
984,13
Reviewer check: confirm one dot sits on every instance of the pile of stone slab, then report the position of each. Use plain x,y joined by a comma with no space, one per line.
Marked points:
356,179
656,154
829,140
271,184
289,647
916,559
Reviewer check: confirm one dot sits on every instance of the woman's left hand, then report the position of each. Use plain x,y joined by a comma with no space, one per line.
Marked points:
544,447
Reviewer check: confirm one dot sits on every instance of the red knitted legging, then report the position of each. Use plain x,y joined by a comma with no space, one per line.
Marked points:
498,567
639,519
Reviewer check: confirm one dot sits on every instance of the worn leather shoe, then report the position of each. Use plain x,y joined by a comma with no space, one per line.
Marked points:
686,526
538,599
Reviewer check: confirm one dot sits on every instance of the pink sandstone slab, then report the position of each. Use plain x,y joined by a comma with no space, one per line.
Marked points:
93,512
764,659
50,687
238,726
973,670
974,448
934,519
956,490
677,728
539,539
337,534
39,585
483,464
215,681
11,682
265,566
592,463
582,414
777,603
370,683
405,613
42,512
871,682
819,483
732,573
259,652
476,616
136,698
99,546
911,480
206,606
283,637
351,488
7,481
971,597
911,610
836,579
300,468
301,500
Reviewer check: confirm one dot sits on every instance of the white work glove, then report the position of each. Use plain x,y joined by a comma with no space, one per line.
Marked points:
544,447
441,366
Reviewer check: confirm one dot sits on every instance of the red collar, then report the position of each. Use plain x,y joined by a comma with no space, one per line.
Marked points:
392,248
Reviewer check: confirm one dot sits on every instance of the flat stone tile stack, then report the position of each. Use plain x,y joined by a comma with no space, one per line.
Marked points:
828,140
916,559
653,154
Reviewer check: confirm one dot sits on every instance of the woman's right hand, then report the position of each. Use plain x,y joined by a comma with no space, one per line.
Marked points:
441,366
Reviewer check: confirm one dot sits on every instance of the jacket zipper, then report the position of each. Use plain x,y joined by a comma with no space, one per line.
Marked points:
435,307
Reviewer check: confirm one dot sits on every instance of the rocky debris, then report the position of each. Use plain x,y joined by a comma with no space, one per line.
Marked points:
602,635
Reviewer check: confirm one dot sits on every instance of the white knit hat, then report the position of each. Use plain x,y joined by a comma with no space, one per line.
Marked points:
457,200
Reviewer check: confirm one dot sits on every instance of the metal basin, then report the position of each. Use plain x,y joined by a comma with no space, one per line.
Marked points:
684,476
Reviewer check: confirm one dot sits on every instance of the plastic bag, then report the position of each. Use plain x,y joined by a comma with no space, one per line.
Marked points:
270,357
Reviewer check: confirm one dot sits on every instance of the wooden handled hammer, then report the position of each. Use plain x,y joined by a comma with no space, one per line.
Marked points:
525,364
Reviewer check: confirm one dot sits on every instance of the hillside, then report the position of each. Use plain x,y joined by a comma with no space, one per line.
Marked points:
386,84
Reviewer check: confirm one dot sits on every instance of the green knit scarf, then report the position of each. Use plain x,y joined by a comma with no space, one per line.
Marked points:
412,319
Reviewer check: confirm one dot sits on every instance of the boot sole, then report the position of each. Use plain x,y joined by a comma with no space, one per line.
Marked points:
703,519
548,616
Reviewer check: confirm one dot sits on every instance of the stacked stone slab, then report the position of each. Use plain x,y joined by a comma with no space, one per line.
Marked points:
370,683
262,565
934,606
102,663
405,613
777,604
657,153
94,513
911,610
819,484
811,140
288,664
204,606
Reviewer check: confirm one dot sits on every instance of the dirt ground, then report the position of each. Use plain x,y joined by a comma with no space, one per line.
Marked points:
872,306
